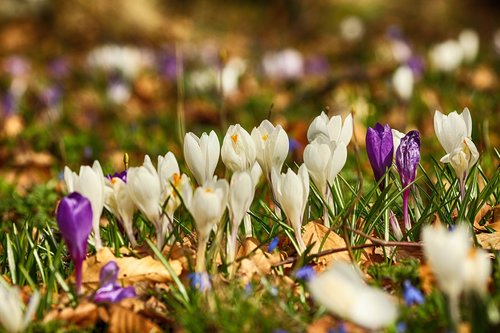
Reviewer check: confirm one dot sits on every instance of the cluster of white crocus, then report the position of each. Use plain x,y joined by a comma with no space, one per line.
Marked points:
89,183
344,293
448,55
456,264
13,315
326,153
454,133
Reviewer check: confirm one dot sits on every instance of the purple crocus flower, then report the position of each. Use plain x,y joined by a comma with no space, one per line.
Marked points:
273,244
305,273
407,159
411,294
200,281
121,175
74,218
380,150
109,290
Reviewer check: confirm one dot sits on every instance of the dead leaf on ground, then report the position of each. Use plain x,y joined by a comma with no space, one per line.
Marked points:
484,211
123,320
324,239
328,323
426,277
490,241
84,315
258,262
131,269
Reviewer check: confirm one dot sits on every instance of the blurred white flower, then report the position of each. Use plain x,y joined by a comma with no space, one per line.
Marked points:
286,64
126,60
403,81
231,73
238,149
477,271
89,183
14,317
344,293
292,192
446,56
469,41
352,28
202,155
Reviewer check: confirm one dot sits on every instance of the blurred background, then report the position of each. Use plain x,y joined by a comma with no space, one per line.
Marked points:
88,79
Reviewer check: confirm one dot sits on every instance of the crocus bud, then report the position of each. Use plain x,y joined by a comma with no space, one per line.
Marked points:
202,155
407,159
118,201
380,150
89,183
14,317
330,129
469,41
238,149
207,207
292,193
403,81
74,218
272,146
344,293
241,193
109,290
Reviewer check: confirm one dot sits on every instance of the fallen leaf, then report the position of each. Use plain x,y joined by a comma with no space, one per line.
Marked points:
131,269
328,324
490,240
84,315
123,320
484,211
258,262
324,239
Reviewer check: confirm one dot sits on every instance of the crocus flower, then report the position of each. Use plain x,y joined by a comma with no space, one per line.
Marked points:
118,201
109,290
411,294
200,281
469,41
287,64
402,81
74,218
14,318
202,155
407,159
241,193
456,265
330,129
454,133
272,146
273,244
89,183
446,56
238,149
306,273
292,193
207,207
344,293
380,150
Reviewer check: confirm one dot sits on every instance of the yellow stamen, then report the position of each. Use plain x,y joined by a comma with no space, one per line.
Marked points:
265,136
234,138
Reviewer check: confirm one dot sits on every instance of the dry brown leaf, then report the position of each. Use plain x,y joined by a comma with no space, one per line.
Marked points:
324,239
485,210
490,241
258,262
84,315
326,323
123,320
426,277
131,269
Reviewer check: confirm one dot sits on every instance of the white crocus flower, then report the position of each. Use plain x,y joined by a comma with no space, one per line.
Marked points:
256,173
238,149
396,139
119,202
272,146
403,81
89,183
207,207
330,129
450,259
469,41
241,194
202,155
462,158
452,128
13,315
446,56
292,193
344,293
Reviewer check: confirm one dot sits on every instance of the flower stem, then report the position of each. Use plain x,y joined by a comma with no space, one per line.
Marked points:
406,216
78,277
200,254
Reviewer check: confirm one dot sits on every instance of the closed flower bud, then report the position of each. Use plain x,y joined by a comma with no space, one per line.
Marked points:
272,146
238,149
202,155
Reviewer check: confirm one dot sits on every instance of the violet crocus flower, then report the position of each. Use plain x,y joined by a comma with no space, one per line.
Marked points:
411,294
121,175
305,273
407,159
380,150
200,281
109,290
74,218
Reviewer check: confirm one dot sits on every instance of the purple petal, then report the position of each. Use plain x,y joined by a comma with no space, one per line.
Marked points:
200,281
408,157
274,243
411,294
380,149
121,175
115,295
108,274
74,218
305,273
